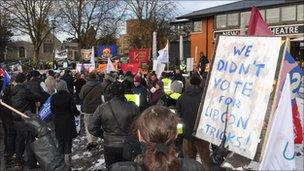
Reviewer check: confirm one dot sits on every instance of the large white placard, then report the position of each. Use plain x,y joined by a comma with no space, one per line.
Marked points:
62,54
190,63
242,78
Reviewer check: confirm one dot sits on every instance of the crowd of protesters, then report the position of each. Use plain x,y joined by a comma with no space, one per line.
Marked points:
150,124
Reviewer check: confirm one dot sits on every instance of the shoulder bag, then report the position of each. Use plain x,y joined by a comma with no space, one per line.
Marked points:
131,147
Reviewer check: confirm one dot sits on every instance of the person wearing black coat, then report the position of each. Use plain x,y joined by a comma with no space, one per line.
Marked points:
90,95
67,77
64,109
23,100
187,106
8,123
35,85
112,121
156,130
203,62
78,82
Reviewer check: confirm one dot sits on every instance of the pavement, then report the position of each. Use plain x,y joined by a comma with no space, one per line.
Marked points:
83,159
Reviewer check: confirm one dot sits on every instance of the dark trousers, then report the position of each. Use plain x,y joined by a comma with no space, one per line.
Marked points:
194,146
112,155
23,141
65,147
9,138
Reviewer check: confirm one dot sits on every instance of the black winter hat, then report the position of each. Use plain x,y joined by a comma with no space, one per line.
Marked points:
116,89
195,79
20,78
35,73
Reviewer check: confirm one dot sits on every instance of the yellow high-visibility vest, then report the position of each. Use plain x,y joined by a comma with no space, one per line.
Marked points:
133,98
175,96
167,84
180,128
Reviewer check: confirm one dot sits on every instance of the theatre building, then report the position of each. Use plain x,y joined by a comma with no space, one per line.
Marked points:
284,17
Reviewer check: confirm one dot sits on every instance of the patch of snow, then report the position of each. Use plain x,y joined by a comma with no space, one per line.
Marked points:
87,154
100,164
75,157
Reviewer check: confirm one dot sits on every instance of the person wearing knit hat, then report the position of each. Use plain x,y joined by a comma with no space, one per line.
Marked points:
142,91
177,86
23,99
137,79
37,86
156,93
64,109
187,106
90,95
176,89
110,77
195,79
92,76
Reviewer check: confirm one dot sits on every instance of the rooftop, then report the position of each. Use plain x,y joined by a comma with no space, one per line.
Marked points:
237,6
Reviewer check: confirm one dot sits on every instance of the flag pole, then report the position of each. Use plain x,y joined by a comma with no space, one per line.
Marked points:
168,55
14,110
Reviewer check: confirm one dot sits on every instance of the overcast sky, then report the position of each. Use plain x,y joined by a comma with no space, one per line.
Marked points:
184,7
187,6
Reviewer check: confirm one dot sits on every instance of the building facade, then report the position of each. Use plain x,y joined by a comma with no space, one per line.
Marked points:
123,44
22,50
284,17
179,28
73,50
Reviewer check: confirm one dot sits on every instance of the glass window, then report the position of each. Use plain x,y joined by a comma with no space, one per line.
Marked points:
273,15
245,16
289,13
220,21
233,19
300,12
197,26
47,47
21,52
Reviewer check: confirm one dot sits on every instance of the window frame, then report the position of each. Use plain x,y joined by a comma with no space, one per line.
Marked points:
238,20
289,20
201,26
45,50
216,20
297,9
246,24
279,16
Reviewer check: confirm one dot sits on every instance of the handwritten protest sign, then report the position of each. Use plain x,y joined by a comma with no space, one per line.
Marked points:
242,78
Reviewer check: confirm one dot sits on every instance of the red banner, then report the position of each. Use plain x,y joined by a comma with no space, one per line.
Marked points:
133,67
139,55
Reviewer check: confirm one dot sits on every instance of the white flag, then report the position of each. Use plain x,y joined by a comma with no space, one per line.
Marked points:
279,151
154,65
92,61
110,66
164,54
160,68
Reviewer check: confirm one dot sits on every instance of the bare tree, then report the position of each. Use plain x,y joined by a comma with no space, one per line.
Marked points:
31,17
5,33
87,20
150,15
